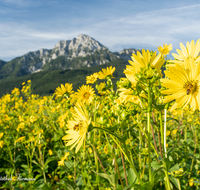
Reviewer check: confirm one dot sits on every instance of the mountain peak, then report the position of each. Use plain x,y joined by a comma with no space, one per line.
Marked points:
82,45
66,54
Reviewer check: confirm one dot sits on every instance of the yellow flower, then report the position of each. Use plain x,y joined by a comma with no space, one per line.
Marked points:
174,131
23,83
165,49
167,133
64,90
28,81
130,72
85,94
20,126
56,178
15,90
77,127
106,72
1,144
61,163
14,178
191,183
105,149
191,50
184,85
1,135
50,152
66,155
32,118
92,79
90,150
142,60
128,95
101,87
20,139
70,176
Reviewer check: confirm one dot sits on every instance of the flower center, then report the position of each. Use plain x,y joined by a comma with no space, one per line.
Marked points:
165,51
190,86
77,127
86,95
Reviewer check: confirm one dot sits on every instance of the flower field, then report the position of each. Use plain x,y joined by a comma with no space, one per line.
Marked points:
143,136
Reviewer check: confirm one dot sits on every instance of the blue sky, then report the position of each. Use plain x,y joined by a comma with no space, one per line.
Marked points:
29,25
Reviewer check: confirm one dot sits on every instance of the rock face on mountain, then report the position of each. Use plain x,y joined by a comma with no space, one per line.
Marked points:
66,54
126,53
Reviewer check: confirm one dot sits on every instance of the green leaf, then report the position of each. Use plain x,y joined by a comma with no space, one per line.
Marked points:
56,137
9,161
156,175
39,184
119,187
159,107
79,181
25,166
16,188
38,176
174,168
38,170
37,164
131,176
168,163
69,164
140,187
144,186
4,169
155,165
171,118
50,159
111,178
17,158
174,181
45,187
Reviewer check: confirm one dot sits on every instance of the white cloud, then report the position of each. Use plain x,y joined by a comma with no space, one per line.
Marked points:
17,40
151,28
143,30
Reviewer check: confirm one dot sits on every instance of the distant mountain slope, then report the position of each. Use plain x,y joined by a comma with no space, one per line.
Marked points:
45,82
82,51
2,63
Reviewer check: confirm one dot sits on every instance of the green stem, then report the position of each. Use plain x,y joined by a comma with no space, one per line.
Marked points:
75,169
149,130
147,138
161,130
149,148
165,130
124,168
143,168
126,151
108,131
140,147
98,157
185,138
179,185
118,169
166,177
129,159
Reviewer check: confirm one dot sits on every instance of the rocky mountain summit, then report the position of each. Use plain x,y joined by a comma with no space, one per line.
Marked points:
66,54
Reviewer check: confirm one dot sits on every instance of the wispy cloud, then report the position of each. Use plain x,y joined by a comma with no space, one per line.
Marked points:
147,29
152,28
